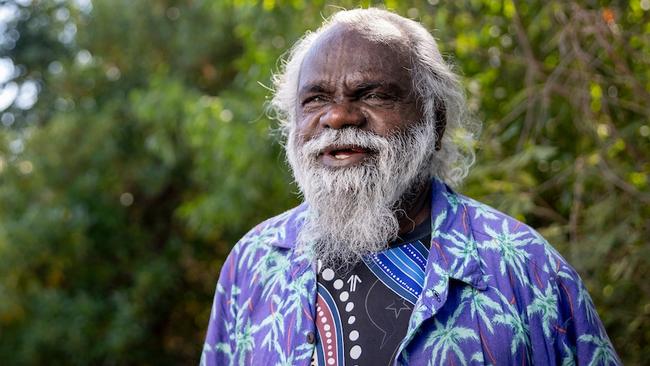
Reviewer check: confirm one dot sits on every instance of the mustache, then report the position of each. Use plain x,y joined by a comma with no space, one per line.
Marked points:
344,137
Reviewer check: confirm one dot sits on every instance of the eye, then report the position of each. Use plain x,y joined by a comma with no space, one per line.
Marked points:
314,99
378,97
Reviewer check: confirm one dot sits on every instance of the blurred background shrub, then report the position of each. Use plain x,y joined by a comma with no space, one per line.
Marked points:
135,151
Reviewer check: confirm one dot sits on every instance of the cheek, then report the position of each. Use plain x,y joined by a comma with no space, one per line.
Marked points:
414,112
305,127
406,116
391,121
297,136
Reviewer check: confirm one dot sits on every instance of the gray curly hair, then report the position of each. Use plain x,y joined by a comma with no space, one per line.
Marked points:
435,85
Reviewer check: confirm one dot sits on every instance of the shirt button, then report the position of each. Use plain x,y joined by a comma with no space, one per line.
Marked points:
311,338
436,295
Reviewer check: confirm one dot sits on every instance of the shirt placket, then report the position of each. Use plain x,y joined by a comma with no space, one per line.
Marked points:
429,303
306,334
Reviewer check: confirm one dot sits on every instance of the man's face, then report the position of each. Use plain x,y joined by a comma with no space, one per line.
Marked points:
348,81
359,148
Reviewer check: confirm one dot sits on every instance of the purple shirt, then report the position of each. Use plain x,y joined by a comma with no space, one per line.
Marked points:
495,292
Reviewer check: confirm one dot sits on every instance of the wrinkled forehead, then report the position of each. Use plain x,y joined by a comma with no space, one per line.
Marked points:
378,49
378,35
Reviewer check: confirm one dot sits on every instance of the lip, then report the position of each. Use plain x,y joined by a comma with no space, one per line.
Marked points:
344,155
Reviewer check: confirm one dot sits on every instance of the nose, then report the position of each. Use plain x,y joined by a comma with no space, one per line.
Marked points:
341,115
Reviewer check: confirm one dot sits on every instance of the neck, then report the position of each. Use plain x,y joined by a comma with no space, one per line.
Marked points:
416,209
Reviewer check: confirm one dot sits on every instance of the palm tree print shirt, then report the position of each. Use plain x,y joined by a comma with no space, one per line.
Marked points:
494,293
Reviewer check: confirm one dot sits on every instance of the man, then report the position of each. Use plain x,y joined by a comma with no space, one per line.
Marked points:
384,264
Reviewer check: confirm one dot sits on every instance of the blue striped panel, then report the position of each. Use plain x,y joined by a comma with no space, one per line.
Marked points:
401,269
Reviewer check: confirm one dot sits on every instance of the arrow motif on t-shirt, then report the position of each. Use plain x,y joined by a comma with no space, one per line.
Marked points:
353,280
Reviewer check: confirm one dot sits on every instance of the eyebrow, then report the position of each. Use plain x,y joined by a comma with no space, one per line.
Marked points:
312,88
362,87
358,87
371,85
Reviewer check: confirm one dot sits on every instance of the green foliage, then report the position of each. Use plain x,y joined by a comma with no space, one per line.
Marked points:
148,154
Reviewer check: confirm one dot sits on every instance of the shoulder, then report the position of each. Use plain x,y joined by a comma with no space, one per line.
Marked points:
532,279
271,238
276,232
509,244
520,264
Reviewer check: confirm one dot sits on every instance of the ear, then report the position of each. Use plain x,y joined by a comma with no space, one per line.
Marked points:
441,123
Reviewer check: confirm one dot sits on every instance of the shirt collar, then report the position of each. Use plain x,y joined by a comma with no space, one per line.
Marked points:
287,226
454,252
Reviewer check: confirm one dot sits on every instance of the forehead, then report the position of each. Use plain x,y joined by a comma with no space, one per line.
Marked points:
343,55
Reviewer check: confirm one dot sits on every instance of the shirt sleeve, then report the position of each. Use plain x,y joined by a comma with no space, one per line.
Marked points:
218,346
581,338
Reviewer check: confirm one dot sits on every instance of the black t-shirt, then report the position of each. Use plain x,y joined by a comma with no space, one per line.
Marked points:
362,315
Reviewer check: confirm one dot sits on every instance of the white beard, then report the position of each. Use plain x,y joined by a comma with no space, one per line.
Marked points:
355,211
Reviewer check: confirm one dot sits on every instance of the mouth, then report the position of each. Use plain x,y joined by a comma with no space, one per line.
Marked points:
344,155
